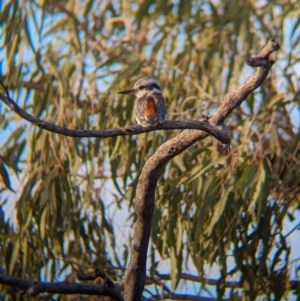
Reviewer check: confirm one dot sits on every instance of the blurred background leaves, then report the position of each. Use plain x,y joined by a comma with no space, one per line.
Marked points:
64,62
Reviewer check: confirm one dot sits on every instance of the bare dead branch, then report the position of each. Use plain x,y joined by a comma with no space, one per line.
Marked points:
145,192
33,288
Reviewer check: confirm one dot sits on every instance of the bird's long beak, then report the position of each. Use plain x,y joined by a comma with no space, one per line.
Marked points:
129,91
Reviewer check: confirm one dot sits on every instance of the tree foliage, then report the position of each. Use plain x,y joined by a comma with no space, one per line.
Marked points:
65,62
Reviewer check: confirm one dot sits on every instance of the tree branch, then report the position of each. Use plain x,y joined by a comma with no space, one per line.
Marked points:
199,279
221,135
293,284
181,297
33,288
145,192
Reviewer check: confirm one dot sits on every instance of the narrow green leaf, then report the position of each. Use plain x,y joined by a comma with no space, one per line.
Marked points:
13,256
260,179
5,176
218,211
173,273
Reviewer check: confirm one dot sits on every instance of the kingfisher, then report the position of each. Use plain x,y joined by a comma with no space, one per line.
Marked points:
150,106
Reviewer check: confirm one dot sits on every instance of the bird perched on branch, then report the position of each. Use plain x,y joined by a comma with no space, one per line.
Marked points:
150,106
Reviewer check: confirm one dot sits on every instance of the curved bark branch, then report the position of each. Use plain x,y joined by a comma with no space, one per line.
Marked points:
221,135
33,288
145,192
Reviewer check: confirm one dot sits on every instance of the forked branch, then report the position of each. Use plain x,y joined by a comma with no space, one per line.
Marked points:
145,192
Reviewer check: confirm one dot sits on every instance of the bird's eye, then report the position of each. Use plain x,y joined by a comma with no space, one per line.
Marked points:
142,87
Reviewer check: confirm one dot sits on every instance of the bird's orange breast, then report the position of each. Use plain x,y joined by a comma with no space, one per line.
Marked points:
150,108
